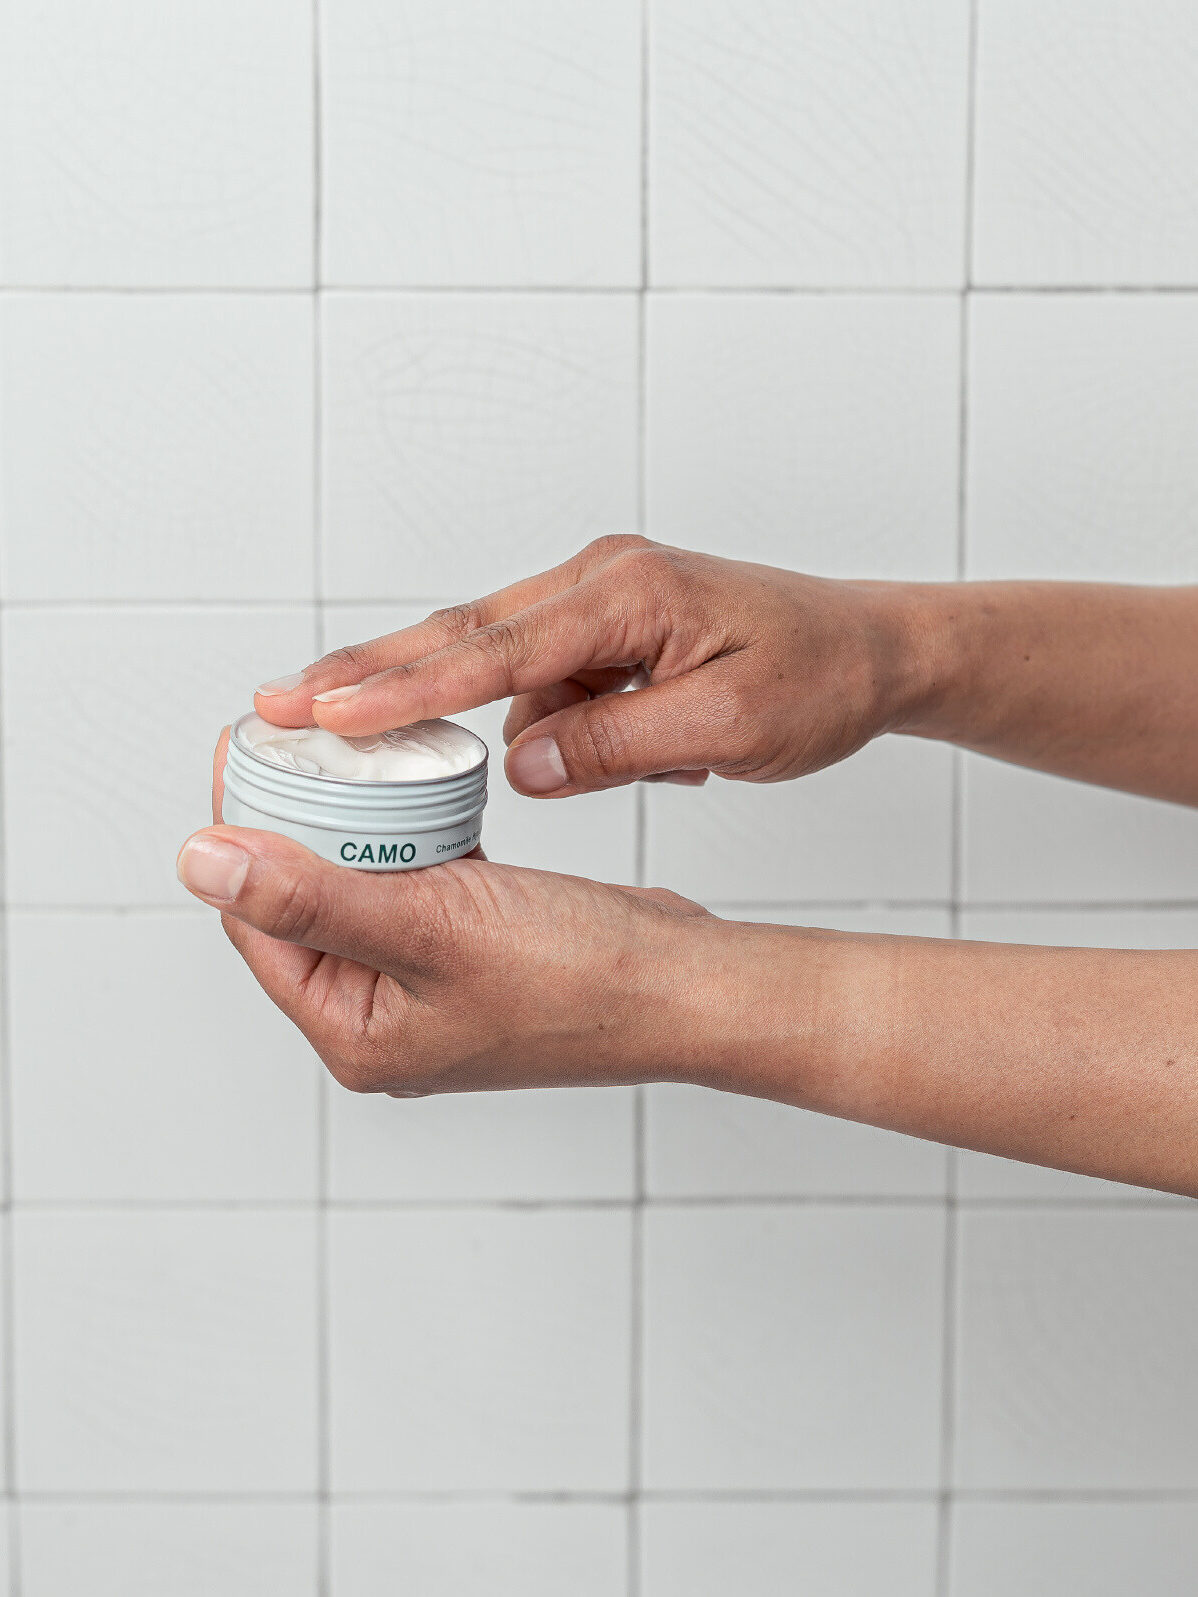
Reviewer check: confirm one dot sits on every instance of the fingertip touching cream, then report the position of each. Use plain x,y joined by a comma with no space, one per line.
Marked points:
395,802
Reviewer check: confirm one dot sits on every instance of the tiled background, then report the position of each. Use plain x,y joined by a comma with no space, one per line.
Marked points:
312,318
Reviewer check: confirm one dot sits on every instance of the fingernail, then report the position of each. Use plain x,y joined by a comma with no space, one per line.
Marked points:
212,868
686,778
332,696
537,766
281,684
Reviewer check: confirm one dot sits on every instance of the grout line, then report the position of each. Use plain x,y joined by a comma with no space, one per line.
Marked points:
950,1308
8,1379
322,1304
1141,1201
636,1359
966,906
590,290
164,606
716,1496
637,1215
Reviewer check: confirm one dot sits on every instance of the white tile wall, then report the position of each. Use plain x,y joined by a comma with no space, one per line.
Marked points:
1087,142
792,1348
472,1549
149,148
844,1549
156,446
472,438
314,316
132,1090
1075,1367
511,156
165,1352
878,826
807,143
816,432
488,1147
1029,838
480,1350
186,1549
1083,443
1102,1549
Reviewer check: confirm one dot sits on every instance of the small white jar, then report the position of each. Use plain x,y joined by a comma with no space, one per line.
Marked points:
382,821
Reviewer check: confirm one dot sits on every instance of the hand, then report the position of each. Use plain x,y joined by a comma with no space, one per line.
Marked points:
750,672
462,977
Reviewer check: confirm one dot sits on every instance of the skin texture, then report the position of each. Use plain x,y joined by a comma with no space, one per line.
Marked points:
473,975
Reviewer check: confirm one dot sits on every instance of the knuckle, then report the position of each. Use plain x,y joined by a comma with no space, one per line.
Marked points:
458,620
353,659
603,744
617,543
503,643
297,909
650,566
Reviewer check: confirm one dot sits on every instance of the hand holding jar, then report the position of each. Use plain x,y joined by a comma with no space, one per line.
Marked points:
475,975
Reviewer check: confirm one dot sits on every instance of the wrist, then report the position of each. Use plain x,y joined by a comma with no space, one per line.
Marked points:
921,632
739,1007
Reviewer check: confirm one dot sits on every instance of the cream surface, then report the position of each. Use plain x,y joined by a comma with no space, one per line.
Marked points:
417,753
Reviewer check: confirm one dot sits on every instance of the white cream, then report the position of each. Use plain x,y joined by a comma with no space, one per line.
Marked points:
421,752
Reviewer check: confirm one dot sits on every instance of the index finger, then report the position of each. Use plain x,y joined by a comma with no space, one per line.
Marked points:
288,700
597,624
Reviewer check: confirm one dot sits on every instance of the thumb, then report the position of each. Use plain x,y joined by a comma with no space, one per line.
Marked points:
618,738
276,885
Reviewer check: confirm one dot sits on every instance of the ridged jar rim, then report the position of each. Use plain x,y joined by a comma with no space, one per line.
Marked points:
357,781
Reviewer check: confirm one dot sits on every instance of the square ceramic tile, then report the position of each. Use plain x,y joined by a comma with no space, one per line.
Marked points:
473,144
480,1350
157,145
877,826
807,144
983,1176
157,446
101,793
790,1348
1075,1367
592,835
704,1144
468,1549
1103,1549
764,1549
168,1076
482,1146
165,1352
473,438
1032,838
1083,437
819,433
713,1144
1086,143
184,1549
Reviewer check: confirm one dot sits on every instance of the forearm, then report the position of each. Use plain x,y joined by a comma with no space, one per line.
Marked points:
1089,681
1082,1059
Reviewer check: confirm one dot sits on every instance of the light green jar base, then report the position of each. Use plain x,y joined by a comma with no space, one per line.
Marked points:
365,851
